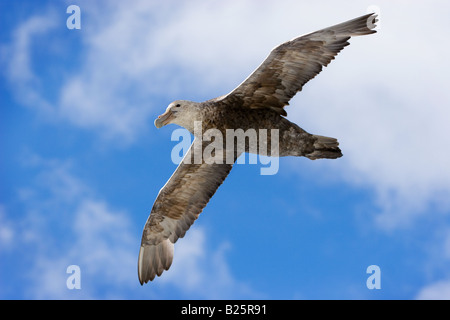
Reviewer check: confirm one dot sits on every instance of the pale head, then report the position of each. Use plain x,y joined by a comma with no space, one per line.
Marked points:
180,112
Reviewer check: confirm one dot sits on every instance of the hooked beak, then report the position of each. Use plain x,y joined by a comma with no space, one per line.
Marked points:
163,119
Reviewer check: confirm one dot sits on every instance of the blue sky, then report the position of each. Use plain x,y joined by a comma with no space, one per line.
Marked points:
81,161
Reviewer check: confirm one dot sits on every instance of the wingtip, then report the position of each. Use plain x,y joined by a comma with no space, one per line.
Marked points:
153,260
371,20
362,25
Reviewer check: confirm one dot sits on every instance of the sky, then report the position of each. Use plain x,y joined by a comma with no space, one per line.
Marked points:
81,162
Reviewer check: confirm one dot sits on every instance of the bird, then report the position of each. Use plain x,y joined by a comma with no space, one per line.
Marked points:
257,103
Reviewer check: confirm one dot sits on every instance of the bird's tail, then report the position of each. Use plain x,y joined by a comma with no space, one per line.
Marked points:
325,148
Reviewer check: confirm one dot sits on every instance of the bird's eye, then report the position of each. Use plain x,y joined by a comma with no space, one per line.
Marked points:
178,105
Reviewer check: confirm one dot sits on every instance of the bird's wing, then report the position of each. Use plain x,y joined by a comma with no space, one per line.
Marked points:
290,65
176,207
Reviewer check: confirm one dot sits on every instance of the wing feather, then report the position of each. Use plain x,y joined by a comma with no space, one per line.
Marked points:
176,207
292,64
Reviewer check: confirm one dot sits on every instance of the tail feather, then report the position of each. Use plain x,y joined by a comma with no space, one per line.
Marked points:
325,148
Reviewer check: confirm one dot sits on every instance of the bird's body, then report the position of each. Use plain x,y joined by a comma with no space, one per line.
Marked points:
255,106
293,140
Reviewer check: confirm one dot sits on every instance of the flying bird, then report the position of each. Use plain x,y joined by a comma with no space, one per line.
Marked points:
257,103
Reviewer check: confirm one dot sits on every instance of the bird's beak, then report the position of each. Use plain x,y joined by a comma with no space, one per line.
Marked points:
163,119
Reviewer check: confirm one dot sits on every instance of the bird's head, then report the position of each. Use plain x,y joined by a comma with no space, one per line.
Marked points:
180,112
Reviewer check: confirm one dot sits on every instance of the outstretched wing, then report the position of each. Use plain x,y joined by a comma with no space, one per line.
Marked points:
176,207
290,65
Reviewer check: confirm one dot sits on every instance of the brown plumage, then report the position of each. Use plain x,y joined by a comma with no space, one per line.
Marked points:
257,103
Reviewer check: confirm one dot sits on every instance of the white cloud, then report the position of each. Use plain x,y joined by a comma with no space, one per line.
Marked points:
105,239
386,94
7,232
18,64
138,52
439,290
66,223
386,100
100,243
204,272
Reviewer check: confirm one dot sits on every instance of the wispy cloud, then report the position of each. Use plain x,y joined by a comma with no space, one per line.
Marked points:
133,56
385,98
439,290
101,244
18,60
203,272
391,125
6,230
66,223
